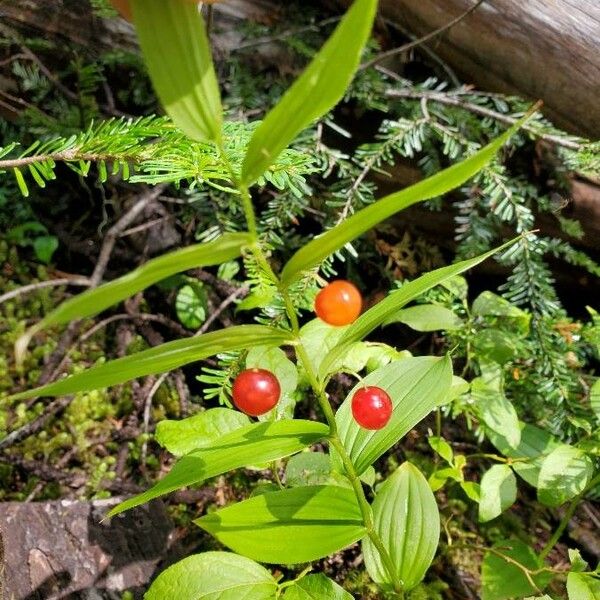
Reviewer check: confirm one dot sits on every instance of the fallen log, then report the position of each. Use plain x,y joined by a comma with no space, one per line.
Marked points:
538,49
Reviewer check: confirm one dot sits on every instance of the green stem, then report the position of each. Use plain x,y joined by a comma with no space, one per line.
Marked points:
317,386
336,442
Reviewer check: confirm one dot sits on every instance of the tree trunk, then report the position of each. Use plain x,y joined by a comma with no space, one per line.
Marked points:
545,49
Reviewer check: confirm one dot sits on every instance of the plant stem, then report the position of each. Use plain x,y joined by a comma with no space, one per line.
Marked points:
316,385
336,442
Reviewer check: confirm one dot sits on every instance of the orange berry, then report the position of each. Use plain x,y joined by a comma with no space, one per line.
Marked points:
338,303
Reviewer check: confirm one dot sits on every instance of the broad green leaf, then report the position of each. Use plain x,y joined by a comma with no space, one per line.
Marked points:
253,444
498,310
44,247
275,360
503,580
199,431
407,519
290,526
438,478
93,301
316,587
313,253
534,446
320,87
458,388
494,345
191,304
318,338
382,311
578,564
159,359
583,587
496,411
595,398
213,576
176,51
564,474
442,447
497,493
308,468
427,317
415,385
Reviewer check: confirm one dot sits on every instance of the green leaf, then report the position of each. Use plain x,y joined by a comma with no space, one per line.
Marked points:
442,447
96,300
253,444
407,519
290,526
495,345
275,360
595,398
44,247
176,51
316,587
382,311
190,305
159,359
199,431
313,253
583,587
534,446
503,580
308,468
320,87
318,339
427,317
496,411
498,492
415,386
564,474
472,490
213,576
498,310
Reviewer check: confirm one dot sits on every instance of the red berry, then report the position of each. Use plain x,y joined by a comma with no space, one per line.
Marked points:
371,407
256,391
338,303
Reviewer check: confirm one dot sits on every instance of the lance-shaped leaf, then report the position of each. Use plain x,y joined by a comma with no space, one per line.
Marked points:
159,359
176,51
90,303
214,576
290,526
407,519
313,253
254,444
385,310
320,87
415,385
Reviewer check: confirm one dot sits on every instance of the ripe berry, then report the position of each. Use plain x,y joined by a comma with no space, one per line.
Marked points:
371,407
338,303
255,391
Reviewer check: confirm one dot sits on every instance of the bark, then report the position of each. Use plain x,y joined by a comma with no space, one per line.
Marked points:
544,49
55,550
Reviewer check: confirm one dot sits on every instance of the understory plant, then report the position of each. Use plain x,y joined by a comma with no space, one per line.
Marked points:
398,522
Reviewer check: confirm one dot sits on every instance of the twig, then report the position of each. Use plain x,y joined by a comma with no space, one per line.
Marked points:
25,289
31,428
285,34
452,99
239,293
119,227
421,40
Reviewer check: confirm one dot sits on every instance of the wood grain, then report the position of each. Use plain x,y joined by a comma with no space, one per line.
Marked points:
548,49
